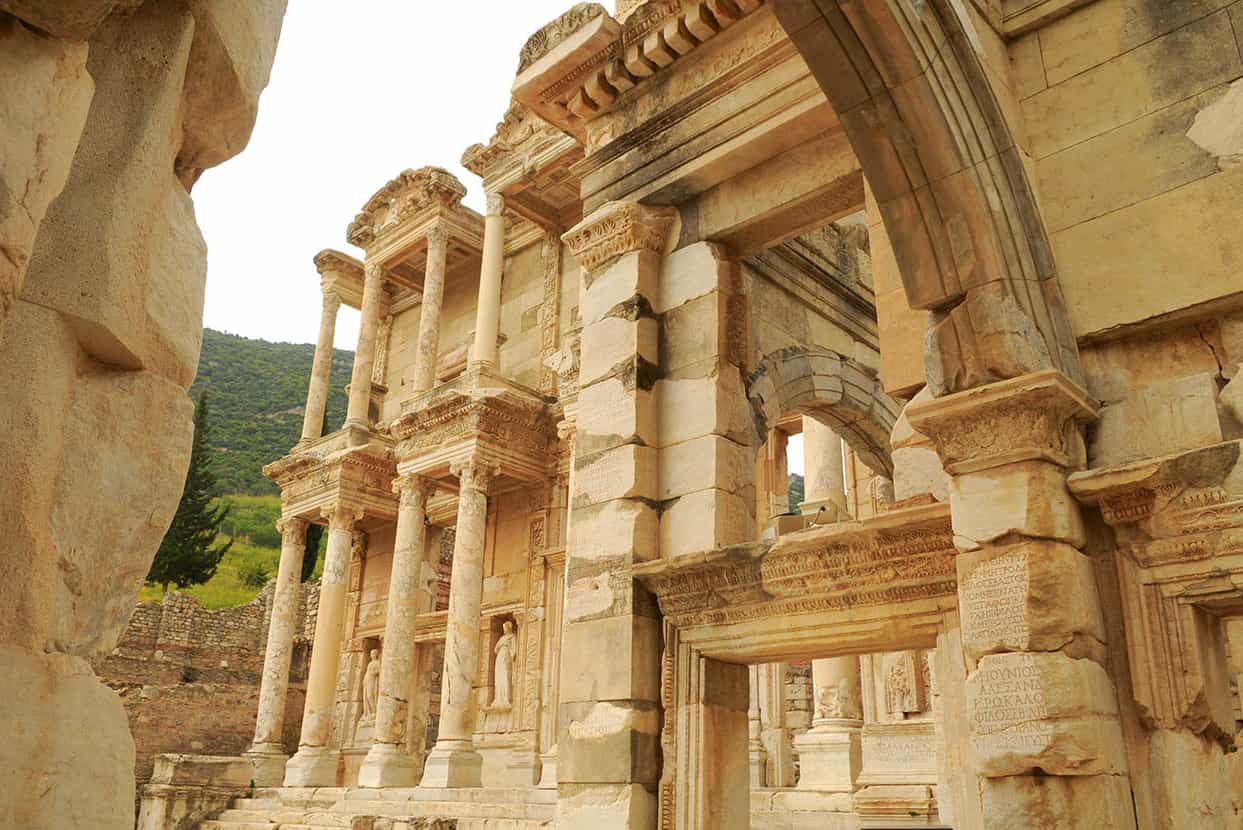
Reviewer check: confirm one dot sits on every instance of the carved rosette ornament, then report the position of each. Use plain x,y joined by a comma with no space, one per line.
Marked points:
616,229
552,34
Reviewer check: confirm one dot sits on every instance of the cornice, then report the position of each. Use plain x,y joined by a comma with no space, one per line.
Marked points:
411,192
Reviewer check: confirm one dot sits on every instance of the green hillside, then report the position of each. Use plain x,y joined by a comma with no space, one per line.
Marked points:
257,391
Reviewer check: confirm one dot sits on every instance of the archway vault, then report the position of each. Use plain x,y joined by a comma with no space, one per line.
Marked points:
838,391
939,151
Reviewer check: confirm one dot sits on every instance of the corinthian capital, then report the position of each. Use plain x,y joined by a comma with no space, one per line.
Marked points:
341,518
617,228
496,204
413,490
293,530
437,240
475,474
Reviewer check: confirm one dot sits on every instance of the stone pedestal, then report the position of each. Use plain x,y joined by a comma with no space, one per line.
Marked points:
453,761
830,757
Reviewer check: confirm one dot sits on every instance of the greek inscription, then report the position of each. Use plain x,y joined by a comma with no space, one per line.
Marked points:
994,601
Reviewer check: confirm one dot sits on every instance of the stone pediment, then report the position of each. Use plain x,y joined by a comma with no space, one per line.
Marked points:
411,193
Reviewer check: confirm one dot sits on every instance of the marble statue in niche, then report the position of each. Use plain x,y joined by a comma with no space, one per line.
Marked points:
506,650
371,686
902,696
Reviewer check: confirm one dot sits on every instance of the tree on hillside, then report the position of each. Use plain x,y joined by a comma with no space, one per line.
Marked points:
189,555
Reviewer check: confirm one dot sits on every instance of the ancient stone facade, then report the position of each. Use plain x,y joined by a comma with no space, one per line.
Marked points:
982,253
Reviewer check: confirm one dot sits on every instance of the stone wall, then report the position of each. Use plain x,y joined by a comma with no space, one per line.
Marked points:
189,677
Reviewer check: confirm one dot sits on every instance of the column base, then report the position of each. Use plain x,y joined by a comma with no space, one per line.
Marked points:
387,765
830,758
268,764
453,764
757,764
548,772
312,766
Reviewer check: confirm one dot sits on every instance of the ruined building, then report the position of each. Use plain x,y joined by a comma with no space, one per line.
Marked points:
984,254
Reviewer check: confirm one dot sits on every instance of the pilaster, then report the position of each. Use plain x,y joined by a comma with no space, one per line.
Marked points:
1043,711
610,709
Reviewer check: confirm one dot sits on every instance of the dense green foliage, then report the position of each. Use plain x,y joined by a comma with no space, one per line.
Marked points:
190,552
258,393
796,491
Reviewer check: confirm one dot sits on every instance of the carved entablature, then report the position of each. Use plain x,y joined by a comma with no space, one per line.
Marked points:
412,192
905,556
477,416
1034,417
342,275
1178,522
574,69
357,478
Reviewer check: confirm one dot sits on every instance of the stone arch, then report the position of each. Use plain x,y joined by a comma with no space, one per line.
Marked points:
835,390
908,82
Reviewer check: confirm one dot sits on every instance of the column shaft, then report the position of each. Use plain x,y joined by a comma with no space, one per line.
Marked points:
321,370
314,765
267,749
387,764
453,762
824,482
488,311
429,315
357,415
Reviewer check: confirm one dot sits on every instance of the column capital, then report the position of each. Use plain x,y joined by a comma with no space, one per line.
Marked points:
437,237
617,228
411,487
372,270
496,203
292,528
1033,417
332,300
341,518
475,473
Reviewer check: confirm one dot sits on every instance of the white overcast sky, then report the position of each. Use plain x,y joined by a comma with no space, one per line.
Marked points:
359,92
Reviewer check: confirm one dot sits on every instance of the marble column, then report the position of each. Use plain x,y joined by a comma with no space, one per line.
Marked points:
429,314
453,761
831,752
267,752
314,764
321,369
757,758
488,310
824,483
358,413
409,593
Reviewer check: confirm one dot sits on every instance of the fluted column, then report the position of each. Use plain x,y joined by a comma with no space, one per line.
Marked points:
364,356
314,765
453,761
267,752
321,369
409,593
824,483
429,315
488,310
831,753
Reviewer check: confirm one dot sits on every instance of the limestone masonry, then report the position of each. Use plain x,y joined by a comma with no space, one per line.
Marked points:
985,255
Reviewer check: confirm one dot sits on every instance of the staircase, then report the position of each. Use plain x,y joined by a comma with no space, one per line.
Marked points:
290,808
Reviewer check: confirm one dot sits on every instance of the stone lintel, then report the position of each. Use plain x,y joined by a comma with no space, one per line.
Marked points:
1035,417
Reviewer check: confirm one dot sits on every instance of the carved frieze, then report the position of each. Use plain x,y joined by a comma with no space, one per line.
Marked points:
358,478
847,565
552,34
